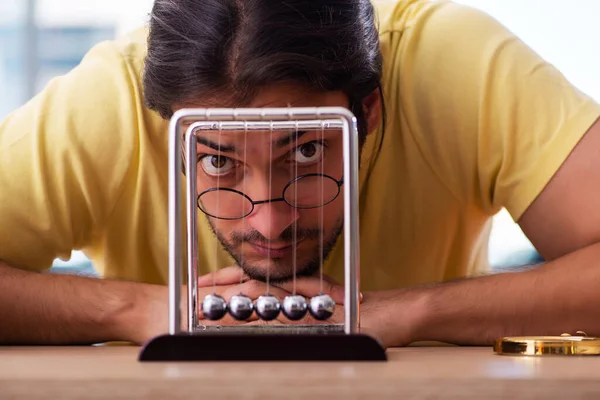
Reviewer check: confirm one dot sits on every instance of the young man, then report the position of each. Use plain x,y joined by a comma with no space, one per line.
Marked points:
475,121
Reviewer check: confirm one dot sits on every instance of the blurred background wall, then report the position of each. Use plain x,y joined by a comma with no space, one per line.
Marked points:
40,39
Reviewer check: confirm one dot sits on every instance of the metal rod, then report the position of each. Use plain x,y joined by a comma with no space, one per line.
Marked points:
31,49
192,243
260,125
351,230
274,328
175,225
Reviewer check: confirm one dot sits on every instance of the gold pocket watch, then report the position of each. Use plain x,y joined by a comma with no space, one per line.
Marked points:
564,345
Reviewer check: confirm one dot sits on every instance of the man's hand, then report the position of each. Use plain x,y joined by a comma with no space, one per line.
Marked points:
150,317
231,281
374,306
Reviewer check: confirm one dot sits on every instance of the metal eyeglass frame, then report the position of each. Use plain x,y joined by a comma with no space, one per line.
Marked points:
282,198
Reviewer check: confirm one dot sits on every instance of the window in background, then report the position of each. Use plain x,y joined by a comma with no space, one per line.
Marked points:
42,39
61,48
13,54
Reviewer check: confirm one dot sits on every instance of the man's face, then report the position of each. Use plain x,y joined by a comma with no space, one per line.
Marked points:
275,170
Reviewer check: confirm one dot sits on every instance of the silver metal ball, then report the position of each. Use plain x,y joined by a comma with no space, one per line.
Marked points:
241,307
214,307
267,307
322,307
294,307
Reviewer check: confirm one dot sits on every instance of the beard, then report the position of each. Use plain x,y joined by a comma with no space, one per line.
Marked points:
308,262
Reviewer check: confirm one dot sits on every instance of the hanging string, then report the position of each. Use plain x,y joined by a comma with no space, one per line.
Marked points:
244,191
295,232
270,205
321,221
218,207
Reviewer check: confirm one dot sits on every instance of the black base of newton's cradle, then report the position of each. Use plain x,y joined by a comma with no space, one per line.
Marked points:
263,347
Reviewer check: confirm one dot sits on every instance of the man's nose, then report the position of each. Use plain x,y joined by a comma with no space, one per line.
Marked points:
272,218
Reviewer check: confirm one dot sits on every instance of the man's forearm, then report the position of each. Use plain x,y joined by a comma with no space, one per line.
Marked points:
561,296
49,309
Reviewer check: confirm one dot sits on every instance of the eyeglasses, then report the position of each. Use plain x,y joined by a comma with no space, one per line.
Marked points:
304,192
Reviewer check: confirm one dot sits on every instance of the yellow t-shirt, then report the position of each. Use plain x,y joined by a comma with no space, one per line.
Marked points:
476,122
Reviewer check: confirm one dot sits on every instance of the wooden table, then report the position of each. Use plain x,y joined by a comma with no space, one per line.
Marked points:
113,372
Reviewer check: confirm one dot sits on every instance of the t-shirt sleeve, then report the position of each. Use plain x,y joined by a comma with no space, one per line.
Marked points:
64,157
493,119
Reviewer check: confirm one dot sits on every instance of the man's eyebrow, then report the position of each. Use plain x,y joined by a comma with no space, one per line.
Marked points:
279,143
215,146
286,140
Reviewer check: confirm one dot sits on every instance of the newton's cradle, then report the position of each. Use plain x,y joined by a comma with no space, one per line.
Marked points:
263,342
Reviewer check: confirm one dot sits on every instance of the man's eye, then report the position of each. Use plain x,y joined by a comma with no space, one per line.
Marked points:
308,153
216,165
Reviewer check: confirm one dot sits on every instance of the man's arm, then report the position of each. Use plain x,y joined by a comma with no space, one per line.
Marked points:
37,308
561,296
565,217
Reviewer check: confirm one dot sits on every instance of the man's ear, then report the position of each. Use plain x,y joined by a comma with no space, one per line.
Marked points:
372,109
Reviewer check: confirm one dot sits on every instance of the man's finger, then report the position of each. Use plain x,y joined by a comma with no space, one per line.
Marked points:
310,287
327,278
254,289
227,320
225,276
262,322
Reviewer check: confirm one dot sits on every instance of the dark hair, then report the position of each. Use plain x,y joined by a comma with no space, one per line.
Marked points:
204,49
